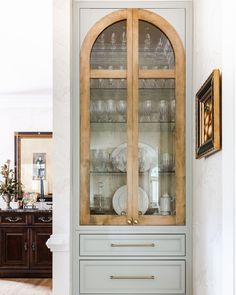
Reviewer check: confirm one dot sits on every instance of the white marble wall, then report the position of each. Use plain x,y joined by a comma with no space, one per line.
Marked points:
207,173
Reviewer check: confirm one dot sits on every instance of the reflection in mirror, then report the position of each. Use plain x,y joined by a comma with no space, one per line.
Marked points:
33,162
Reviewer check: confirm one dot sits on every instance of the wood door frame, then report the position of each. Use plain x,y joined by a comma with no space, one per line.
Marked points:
179,74
95,31
132,75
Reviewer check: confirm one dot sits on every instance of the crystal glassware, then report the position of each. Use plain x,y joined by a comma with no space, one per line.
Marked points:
172,110
100,81
123,41
163,110
99,109
111,109
147,43
122,109
147,109
113,41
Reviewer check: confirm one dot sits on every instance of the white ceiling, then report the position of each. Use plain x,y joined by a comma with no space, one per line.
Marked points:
25,47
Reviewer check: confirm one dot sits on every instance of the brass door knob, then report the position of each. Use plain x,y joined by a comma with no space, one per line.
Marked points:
135,221
130,221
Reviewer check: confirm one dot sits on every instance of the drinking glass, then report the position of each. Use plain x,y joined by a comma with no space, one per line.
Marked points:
121,108
113,41
99,106
172,110
110,109
163,110
147,108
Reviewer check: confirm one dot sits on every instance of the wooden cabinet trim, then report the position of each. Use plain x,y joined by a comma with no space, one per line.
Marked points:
132,16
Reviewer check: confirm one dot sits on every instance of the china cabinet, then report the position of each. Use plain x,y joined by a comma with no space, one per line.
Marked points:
132,234
132,122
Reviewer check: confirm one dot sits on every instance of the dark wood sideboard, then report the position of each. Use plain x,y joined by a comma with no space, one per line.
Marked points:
23,250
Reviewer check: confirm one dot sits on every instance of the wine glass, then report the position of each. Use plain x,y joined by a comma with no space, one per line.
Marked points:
121,108
100,81
110,109
101,41
163,110
147,43
113,41
99,110
147,108
123,41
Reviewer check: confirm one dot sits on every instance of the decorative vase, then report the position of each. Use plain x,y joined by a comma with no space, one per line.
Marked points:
8,200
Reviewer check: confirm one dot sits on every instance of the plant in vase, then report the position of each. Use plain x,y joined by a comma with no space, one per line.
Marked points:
9,187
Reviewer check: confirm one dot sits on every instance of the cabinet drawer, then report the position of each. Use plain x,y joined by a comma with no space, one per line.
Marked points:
132,277
13,218
132,245
42,218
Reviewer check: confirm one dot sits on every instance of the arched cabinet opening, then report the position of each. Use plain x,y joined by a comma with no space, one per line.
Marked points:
132,153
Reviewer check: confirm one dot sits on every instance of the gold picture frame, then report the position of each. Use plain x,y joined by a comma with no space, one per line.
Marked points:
208,116
33,150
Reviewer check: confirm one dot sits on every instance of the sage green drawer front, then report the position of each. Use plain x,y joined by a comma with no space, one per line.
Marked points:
132,245
137,277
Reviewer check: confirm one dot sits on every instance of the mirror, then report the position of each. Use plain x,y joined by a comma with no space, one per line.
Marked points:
33,162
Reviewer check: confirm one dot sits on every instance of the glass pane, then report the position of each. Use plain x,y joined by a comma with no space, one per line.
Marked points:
108,147
110,49
155,50
157,146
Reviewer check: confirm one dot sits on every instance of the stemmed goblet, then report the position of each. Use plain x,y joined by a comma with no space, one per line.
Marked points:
122,109
110,109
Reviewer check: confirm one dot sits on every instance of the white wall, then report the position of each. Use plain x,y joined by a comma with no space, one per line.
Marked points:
213,188
25,71
22,114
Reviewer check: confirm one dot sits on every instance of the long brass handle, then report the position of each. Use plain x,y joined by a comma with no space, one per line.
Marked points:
13,219
133,245
132,277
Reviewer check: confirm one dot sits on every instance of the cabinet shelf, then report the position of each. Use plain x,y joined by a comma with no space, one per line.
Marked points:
124,173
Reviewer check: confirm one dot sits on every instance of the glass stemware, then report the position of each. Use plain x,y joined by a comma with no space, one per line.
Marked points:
113,41
100,81
147,44
121,108
163,110
101,42
99,109
147,109
110,109
123,41
111,81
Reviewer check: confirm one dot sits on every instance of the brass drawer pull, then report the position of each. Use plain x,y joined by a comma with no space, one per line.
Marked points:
45,219
25,246
132,277
13,219
133,245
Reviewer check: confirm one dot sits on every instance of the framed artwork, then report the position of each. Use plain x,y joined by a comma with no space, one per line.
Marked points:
208,116
33,161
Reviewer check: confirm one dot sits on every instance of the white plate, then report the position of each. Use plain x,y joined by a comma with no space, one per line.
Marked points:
147,157
119,201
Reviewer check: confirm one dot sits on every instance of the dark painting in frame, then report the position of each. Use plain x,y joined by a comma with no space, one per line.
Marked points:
208,116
